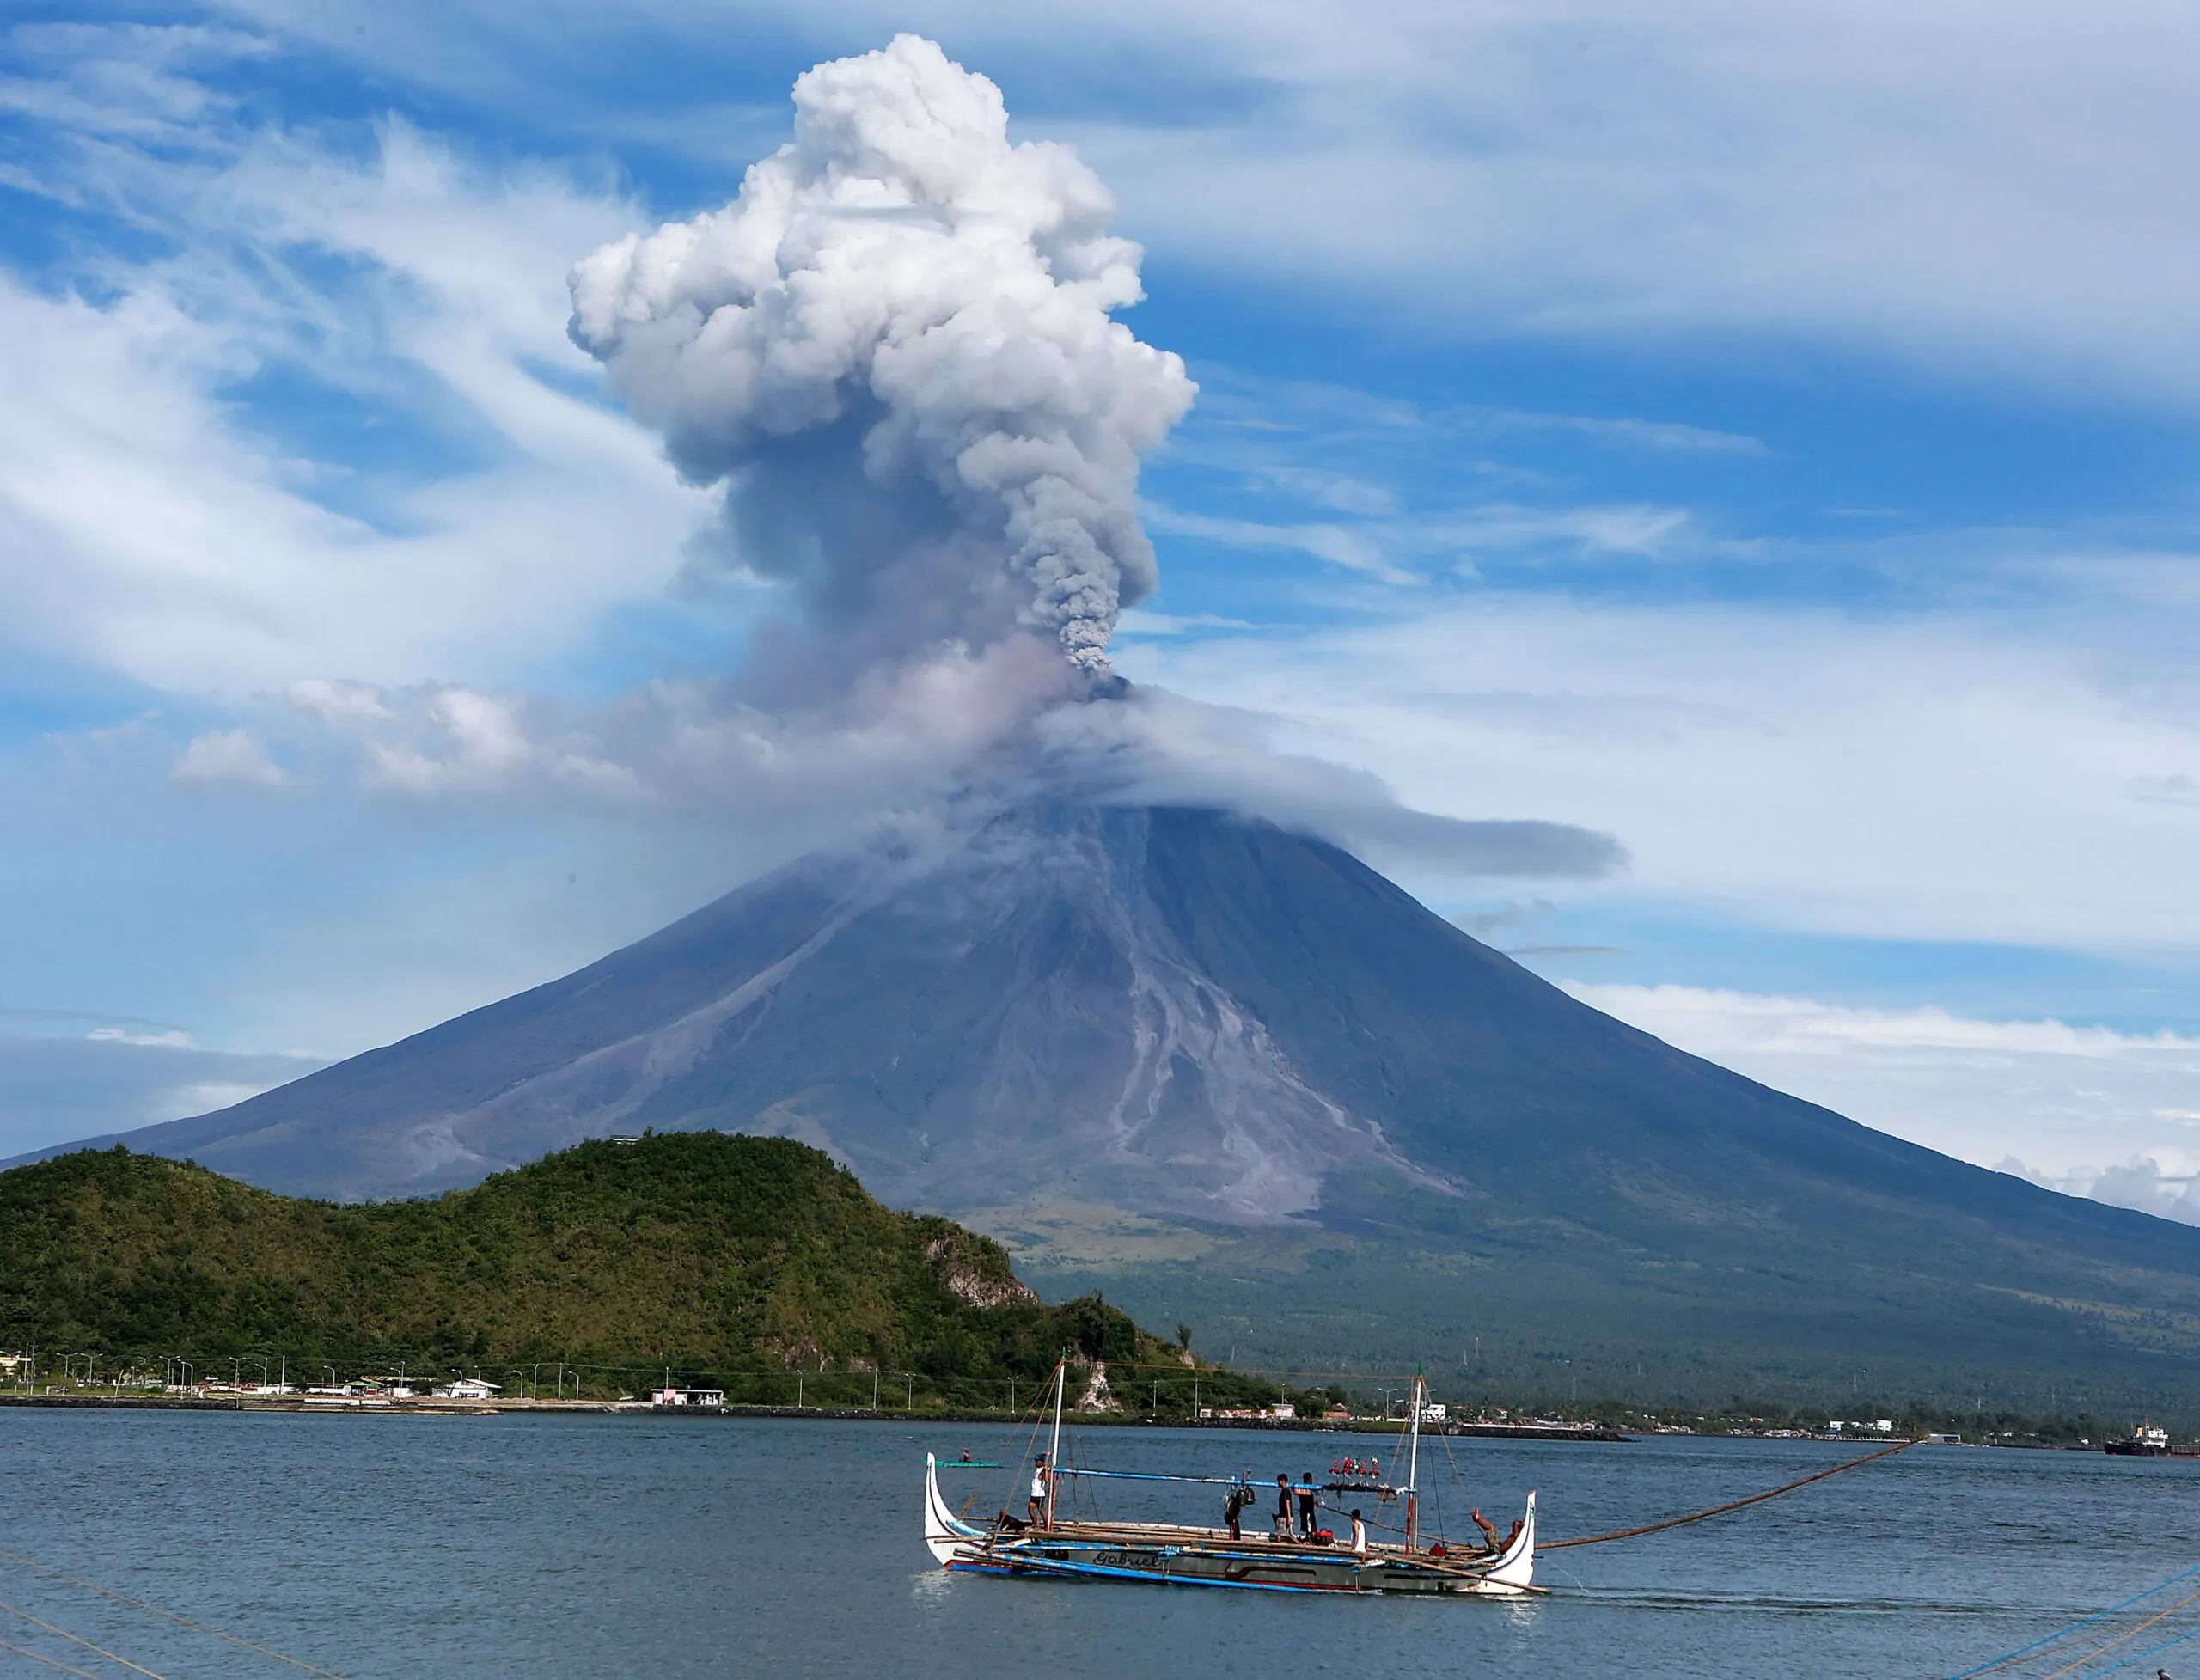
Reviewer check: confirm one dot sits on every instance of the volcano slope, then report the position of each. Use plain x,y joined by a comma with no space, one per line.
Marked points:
1236,1078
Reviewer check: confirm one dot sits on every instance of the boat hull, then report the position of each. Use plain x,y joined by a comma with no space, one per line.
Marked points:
1191,1557
1187,1566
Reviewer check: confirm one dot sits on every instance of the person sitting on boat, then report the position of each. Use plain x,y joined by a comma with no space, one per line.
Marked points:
1034,1508
1488,1531
1358,1536
1309,1501
966,1455
1283,1507
1241,1500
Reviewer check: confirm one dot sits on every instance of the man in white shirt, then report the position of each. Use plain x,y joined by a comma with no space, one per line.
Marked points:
1034,1508
1358,1536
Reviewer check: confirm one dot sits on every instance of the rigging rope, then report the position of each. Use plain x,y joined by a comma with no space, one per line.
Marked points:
51,1662
1721,1510
2131,1633
2038,1648
76,1639
2004,1662
2151,1651
1139,1476
181,1621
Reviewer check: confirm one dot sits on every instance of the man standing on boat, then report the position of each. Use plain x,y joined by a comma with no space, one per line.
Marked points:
1283,1507
1309,1505
1242,1499
1358,1536
1034,1508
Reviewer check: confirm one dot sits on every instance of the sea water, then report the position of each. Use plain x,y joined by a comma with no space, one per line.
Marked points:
543,1545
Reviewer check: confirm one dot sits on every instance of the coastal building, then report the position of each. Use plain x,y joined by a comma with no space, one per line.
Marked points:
469,1388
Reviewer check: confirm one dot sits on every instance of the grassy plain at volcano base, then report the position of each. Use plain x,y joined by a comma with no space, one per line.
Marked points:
1521,1310
745,1259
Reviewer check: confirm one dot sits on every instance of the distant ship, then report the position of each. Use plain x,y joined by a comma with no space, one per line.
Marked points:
2147,1440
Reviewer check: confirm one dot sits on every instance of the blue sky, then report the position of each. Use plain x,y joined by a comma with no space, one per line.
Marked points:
1765,436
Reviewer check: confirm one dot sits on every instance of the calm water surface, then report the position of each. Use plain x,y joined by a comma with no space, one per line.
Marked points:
586,1546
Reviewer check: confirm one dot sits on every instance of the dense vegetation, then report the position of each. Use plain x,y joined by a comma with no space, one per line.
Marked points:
739,1259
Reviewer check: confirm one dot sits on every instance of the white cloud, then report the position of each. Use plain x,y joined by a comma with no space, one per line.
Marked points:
2046,1098
1893,175
1938,776
1356,550
147,526
338,702
55,1090
1907,178
235,756
173,1039
481,744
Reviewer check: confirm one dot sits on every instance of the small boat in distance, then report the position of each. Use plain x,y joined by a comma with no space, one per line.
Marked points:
2146,1441
1177,1555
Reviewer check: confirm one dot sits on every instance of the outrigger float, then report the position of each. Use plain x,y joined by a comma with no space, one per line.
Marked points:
1064,1549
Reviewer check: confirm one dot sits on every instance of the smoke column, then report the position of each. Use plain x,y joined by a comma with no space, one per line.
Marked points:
895,348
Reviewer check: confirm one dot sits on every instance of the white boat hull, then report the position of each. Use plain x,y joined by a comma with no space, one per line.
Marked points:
1196,1557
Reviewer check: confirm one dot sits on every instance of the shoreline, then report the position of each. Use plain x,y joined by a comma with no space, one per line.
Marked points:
431,1407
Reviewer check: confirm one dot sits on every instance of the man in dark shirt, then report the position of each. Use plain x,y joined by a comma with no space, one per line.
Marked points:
1310,1502
1283,1507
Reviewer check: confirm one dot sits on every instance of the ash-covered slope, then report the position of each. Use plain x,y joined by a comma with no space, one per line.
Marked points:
1025,1011
1367,1131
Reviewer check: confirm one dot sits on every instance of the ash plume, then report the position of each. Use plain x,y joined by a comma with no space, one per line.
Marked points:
896,349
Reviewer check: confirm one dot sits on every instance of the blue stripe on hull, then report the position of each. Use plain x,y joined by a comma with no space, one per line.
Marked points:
1061,1567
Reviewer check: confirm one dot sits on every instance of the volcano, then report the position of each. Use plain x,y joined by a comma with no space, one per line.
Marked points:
1236,1075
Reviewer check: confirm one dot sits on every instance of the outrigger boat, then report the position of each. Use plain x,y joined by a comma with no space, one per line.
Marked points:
1065,1548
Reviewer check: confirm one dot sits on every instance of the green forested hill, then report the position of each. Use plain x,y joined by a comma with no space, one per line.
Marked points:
706,1253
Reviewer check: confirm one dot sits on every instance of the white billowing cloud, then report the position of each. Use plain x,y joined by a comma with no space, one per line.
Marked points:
338,702
234,756
2045,1098
481,744
897,347
2140,1182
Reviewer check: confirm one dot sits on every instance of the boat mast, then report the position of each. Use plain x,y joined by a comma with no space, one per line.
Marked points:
1054,1453
1412,1469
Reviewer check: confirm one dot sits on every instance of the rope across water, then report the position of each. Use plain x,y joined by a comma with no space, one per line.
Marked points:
139,1604
1731,1505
